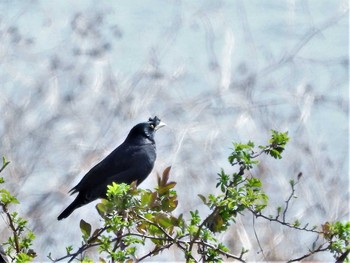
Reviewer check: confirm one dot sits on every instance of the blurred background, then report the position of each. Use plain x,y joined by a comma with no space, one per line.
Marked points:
75,76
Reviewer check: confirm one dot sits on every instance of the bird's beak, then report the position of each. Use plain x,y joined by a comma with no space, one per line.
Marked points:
160,125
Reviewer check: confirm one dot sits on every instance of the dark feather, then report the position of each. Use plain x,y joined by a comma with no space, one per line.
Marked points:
132,161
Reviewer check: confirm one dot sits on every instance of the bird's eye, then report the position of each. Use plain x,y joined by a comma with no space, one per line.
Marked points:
152,126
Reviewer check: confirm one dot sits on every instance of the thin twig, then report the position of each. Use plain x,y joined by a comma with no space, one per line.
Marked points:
227,254
319,249
258,214
154,251
258,240
287,202
84,247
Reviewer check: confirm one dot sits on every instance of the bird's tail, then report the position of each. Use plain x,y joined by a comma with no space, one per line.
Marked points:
74,205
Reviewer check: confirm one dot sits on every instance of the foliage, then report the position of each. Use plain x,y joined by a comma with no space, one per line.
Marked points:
338,236
18,245
134,217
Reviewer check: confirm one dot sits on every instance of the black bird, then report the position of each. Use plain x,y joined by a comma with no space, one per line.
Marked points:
133,160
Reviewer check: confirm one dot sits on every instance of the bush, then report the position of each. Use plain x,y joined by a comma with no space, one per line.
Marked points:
133,217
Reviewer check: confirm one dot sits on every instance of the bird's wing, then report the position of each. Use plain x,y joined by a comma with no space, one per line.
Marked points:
138,161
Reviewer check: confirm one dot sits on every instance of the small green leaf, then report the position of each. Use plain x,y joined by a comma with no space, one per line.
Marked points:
22,257
202,197
85,228
4,163
101,209
279,210
69,249
146,197
296,223
7,198
291,182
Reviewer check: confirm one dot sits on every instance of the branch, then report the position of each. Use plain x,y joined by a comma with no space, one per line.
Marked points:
342,258
75,254
319,249
157,226
289,198
156,250
283,221
258,240
176,241
13,228
205,222
259,214
227,254
84,247
213,214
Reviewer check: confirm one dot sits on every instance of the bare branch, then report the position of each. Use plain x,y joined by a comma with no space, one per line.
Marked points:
319,249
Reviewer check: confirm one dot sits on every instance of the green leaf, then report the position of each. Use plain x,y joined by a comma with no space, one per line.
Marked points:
146,198
7,198
23,258
291,182
117,190
102,208
4,162
87,260
296,223
85,228
279,210
165,188
254,182
203,198
163,220
192,229
69,249
169,204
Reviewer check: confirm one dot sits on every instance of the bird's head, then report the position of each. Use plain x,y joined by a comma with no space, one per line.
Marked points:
145,131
